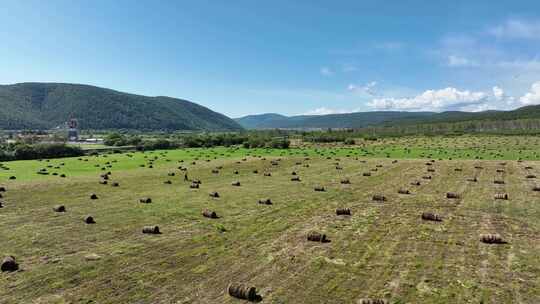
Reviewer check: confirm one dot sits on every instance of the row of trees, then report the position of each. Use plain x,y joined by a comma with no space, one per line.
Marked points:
22,151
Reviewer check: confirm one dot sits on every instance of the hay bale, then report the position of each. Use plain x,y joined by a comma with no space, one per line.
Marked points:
103,182
267,174
255,171
458,170
498,182
530,176
429,216
196,181
293,173
265,201
62,175
500,170
339,168
295,178
209,214
372,301
215,171
319,188
404,191
426,177
93,196
89,219
536,188
479,167
345,181
235,172
145,200
168,182
214,194
452,195
1,204
343,211
472,179
171,174
235,183
316,237
9,264
115,184
242,291
378,197
2,189
492,239
366,174
430,170
501,196
415,183
59,208
194,186
151,230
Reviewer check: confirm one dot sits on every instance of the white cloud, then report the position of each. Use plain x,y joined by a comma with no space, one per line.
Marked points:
368,88
458,61
498,93
326,71
434,100
517,29
325,111
533,96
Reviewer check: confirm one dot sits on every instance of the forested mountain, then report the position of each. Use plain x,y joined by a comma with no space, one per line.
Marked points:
386,118
46,105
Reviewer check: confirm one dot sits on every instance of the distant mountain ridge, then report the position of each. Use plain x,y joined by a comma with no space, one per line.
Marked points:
46,105
379,118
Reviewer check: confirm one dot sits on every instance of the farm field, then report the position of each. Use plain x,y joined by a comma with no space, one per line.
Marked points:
383,250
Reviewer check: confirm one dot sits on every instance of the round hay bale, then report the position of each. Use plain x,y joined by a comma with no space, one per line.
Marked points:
426,177
430,170
115,184
452,195
93,196
214,194
498,182
404,191
171,174
12,177
2,189
293,173
500,170
316,237
9,264
416,183
89,219
145,200
194,186
530,176
242,291
366,174
168,182
378,197
215,171
319,189
103,182
265,201
429,216
267,174
209,214
151,230
458,170
472,179
295,179
62,175
255,171
536,188
501,196
492,239
479,167
343,211
1,204
235,183
345,181
59,208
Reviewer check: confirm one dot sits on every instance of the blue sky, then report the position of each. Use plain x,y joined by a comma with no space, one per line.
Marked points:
290,57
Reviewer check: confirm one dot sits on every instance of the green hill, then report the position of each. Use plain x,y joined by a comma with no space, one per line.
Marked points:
381,118
47,105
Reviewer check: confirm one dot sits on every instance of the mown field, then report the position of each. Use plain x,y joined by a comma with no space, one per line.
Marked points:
382,250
